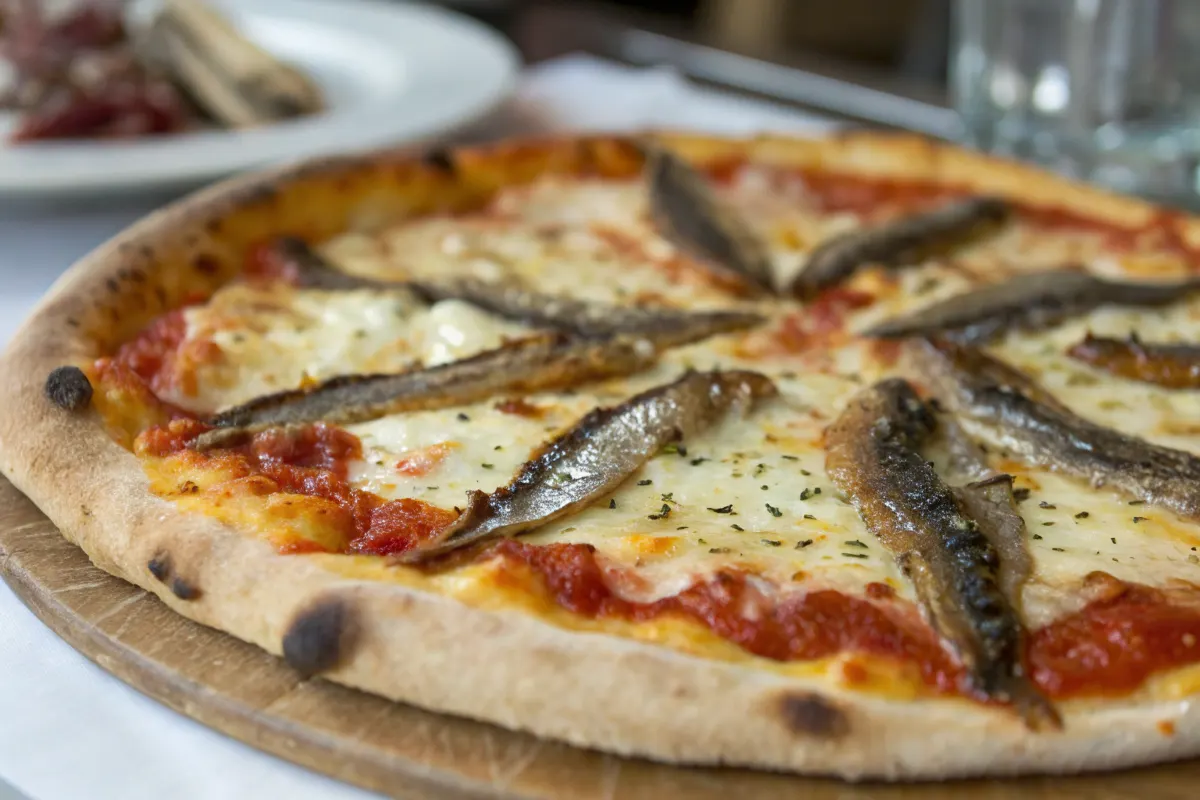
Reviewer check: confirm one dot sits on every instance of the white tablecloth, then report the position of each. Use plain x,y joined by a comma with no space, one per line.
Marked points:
68,730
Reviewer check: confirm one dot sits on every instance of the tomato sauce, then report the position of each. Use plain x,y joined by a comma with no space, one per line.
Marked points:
151,354
834,192
266,261
162,357
725,169
131,379
815,625
1114,644
819,323
313,461
1110,647
1161,234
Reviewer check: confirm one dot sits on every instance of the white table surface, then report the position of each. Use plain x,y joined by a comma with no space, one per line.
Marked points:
68,729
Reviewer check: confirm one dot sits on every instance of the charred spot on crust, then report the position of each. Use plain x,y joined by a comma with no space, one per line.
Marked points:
206,264
810,714
160,566
68,388
183,590
318,637
441,159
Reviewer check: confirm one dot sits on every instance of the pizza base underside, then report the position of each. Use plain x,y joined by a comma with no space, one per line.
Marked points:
463,643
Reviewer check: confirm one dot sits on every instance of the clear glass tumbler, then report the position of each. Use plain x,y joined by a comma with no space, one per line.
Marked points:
1103,90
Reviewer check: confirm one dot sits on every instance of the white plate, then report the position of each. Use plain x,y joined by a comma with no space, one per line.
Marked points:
392,72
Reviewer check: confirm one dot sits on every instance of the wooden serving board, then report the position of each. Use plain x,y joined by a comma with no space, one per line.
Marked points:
403,751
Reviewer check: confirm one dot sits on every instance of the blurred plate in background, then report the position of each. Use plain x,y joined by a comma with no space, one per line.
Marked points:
392,73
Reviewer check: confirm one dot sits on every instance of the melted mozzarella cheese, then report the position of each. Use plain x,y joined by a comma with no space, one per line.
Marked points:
270,340
739,495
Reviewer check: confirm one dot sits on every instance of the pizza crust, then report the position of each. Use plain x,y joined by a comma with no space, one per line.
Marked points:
506,667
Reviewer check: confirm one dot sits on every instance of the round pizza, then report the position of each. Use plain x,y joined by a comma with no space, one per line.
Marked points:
863,456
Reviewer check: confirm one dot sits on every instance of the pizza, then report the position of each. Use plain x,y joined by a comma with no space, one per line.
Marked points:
862,456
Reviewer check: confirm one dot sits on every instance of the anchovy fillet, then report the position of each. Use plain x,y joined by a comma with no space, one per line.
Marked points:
689,214
530,365
1011,416
666,327
991,504
1035,300
1175,366
897,240
987,497
598,454
873,455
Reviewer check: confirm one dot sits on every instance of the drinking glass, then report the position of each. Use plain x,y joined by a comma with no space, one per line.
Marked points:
1103,90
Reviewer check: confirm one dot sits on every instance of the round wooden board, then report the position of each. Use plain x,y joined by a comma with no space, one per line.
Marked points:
252,696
